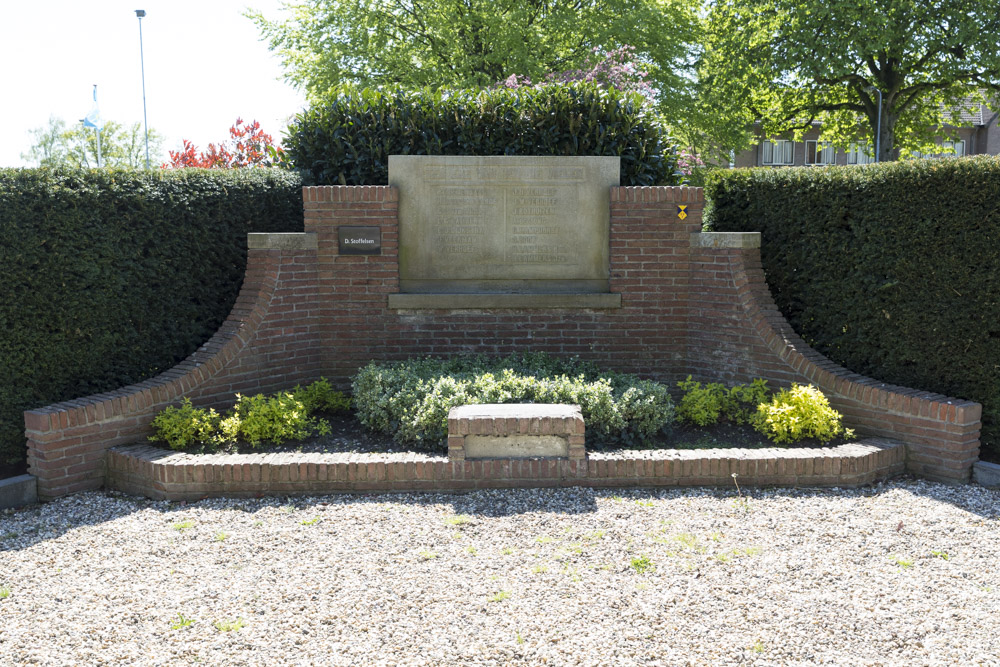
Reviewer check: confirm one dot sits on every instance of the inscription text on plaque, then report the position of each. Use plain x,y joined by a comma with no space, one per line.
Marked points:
503,224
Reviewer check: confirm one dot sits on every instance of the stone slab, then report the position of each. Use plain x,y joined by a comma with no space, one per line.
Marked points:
503,224
518,446
18,491
986,474
500,301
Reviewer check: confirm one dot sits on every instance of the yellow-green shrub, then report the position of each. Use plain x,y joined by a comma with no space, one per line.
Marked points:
708,405
799,413
277,419
701,405
254,419
321,396
185,426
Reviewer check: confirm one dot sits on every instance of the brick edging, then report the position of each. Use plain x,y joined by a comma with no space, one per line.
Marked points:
162,474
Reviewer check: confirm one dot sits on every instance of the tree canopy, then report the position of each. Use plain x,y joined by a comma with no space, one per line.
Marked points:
474,43
59,145
786,63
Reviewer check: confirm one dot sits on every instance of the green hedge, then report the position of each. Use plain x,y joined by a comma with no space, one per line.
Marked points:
349,140
892,270
109,277
410,399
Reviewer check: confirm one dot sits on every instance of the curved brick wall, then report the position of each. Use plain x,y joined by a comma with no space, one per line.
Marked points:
691,303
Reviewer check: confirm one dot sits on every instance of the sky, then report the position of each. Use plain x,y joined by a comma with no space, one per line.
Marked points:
204,65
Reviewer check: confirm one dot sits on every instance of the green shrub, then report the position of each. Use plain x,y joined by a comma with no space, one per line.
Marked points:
348,141
410,400
253,420
185,427
892,269
799,413
703,406
110,277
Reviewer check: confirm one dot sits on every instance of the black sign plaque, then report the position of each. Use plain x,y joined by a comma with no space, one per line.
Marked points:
355,240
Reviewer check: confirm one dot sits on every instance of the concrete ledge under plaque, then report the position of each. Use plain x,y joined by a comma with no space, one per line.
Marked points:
282,241
512,301
725,240
169,475
515,430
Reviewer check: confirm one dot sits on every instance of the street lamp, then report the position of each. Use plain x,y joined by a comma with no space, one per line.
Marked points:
142,64
878,124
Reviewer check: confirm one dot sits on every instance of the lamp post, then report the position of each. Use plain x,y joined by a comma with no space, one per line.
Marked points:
142,64
878,124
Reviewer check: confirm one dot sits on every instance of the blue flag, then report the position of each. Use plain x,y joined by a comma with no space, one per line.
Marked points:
93,119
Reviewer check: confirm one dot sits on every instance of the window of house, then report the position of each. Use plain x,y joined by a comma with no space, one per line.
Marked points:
953,148
948,149
860,154
778,152
819,152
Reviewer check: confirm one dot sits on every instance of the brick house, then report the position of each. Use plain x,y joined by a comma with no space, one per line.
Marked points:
977,133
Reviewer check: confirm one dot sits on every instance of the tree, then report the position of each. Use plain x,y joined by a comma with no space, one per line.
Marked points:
786,63
122,146
474,43
249,146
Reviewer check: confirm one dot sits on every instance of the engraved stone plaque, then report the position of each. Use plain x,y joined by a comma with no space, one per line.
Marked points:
503,224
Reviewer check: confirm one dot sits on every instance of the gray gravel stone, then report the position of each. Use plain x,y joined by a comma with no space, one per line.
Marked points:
899,574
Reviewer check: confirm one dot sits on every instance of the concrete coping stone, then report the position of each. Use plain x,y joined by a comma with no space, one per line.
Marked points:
986,474
539,418
18,491
486,301
282,241
725,240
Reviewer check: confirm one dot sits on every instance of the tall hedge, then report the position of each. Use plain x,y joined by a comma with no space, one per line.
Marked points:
892,270
108,277
348,141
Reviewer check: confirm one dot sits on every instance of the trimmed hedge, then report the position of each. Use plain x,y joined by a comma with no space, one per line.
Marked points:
892,270
109,277
409,400
349,140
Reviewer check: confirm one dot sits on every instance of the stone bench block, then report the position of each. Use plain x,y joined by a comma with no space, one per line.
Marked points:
515,430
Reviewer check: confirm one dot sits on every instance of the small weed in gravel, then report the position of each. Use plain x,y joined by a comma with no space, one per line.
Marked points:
229,626
641,564
181,622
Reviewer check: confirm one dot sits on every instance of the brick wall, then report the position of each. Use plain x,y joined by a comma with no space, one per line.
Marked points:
691,303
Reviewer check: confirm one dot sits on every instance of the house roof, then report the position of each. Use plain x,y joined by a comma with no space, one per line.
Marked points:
968,112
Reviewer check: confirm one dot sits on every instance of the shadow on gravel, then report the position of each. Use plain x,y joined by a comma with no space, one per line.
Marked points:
25,527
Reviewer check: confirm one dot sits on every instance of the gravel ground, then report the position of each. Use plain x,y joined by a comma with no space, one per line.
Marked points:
903,573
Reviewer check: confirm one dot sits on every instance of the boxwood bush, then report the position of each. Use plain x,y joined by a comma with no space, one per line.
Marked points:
109,277
348,140
892,270
410,400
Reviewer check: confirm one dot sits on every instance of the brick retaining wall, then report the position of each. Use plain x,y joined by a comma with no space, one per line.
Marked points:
157,473
691,303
